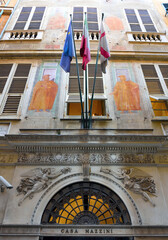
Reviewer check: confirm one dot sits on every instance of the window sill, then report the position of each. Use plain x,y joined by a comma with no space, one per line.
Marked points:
160,118
10,118
95,118
23,35
147,37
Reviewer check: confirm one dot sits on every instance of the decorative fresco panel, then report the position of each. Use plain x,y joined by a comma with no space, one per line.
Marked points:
125,90
45,90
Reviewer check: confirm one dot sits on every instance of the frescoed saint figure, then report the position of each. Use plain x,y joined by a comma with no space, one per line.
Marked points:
126,95
44,94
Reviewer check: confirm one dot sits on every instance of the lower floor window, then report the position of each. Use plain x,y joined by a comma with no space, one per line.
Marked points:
160,107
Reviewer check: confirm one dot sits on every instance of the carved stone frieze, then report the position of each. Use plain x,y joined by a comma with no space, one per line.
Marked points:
79,158
135,180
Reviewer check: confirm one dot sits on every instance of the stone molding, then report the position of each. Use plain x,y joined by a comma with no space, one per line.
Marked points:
79,158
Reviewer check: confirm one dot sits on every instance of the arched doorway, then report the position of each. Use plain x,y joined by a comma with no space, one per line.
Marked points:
86,203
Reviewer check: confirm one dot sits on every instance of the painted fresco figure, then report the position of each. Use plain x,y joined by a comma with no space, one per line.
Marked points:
44,94
126,95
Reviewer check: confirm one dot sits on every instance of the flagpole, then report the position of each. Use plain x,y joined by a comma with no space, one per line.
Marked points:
77,68
86,95
97,58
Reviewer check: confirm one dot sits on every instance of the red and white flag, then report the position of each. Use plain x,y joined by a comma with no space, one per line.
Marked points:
85,46
104,50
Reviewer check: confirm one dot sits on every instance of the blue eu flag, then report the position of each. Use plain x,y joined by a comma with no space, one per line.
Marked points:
68,51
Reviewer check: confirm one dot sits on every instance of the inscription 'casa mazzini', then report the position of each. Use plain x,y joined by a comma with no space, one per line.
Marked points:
86,231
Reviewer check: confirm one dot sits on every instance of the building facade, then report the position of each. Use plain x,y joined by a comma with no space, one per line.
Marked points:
106,182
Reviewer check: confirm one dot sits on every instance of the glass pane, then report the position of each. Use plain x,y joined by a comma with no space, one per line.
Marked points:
39,9
154,86
74,109
37,16
132,19
78,25
23,17
91,70
146,19
5,69
143,12
150,28
19,25
98,108
22,70
164,70
93,10
160,108
135,27
92,17
2,84
34,25
18,85
93,26
26,9
129,11
78,9
78,16
73,85
149,71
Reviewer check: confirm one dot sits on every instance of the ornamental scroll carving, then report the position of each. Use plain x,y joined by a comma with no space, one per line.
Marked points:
78,158
136,181
36,180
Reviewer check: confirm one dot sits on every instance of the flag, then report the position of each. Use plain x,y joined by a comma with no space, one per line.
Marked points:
68,51
104,51
85,46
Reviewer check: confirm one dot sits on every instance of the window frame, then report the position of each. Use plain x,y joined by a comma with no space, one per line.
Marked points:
97,96
85,10
26,27
5,93
139,20
157,97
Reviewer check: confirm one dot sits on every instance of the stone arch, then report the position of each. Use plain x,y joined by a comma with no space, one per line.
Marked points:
78,177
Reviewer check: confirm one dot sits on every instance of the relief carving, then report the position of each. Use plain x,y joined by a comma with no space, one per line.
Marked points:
36,180
136,181
78,158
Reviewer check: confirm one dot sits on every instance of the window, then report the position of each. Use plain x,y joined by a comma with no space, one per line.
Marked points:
140,20
73,101
165,5
27,26
156,77
13,78
92,19
30,18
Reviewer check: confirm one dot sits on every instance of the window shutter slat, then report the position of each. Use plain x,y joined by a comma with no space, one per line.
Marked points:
22,70
149,71
73,85
18,85
5,69
11,105
2,84
98,86
23,17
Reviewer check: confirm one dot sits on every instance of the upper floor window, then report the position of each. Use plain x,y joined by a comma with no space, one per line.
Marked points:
30,18
92,19
165,5
140,20
13,78
73,98
156,77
